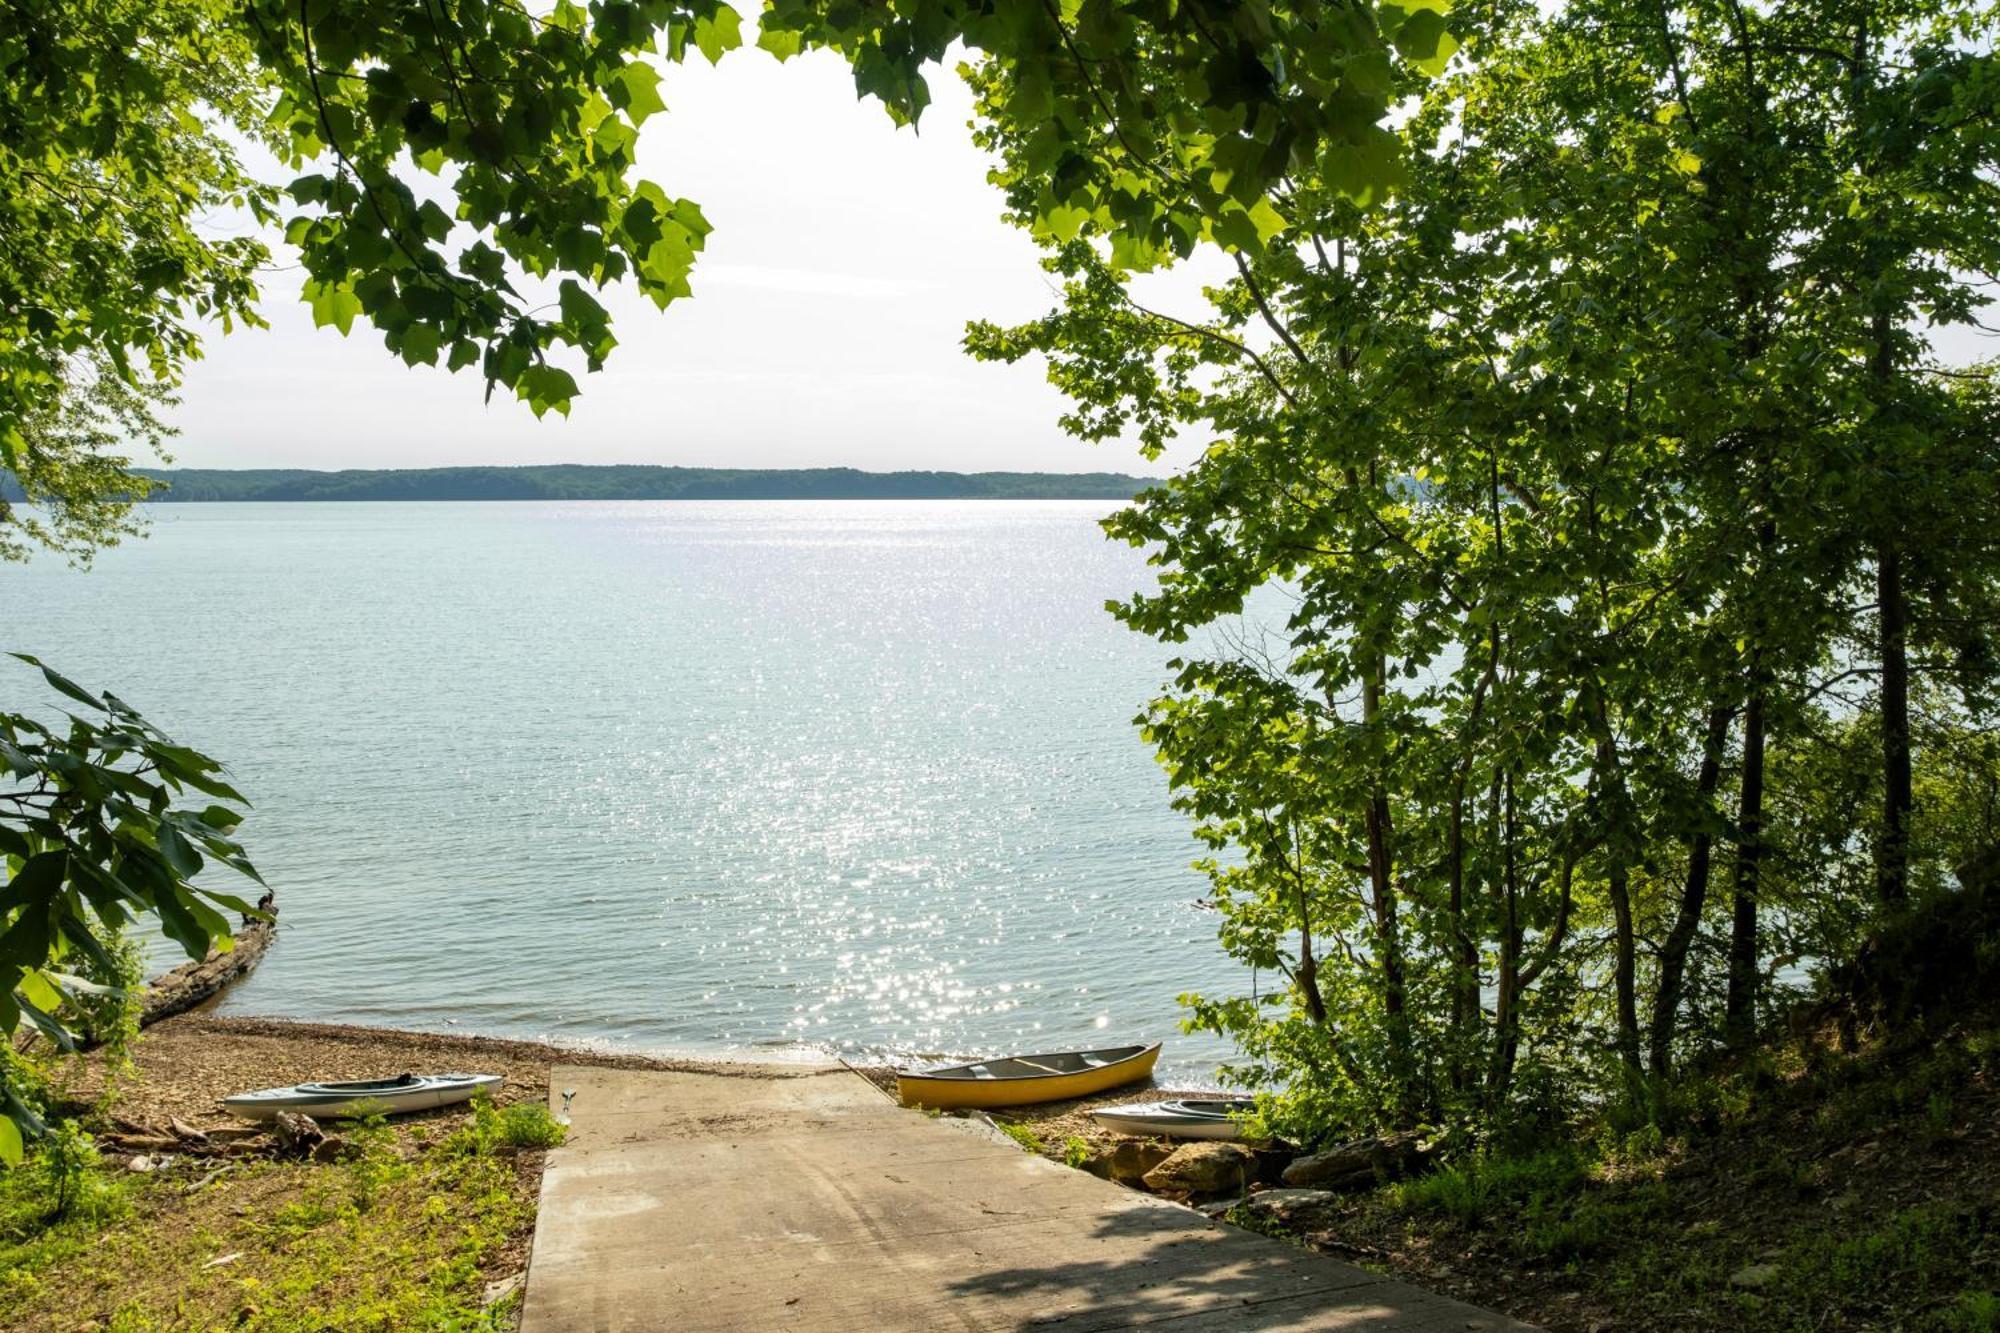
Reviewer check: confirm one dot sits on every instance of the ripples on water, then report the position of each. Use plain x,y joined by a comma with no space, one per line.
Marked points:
797,777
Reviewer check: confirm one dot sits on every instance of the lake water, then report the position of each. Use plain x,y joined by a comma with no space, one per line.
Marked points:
763,777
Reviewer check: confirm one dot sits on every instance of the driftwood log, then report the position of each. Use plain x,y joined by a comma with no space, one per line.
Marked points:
183,988
190,984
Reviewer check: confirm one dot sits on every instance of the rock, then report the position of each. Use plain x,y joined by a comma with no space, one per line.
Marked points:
1360,1164
1205,1170
497,1292
1755,1277
1219,1208
1131,1159
1299,1210
1271,1162
298,1135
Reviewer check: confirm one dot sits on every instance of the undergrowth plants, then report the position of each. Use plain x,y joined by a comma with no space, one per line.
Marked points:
396,1234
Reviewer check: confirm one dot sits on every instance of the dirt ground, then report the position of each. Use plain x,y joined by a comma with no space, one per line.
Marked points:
185,1065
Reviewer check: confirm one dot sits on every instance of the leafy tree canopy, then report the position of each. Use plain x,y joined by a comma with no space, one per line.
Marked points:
464,169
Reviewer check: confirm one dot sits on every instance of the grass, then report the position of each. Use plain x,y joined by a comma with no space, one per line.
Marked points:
401,1235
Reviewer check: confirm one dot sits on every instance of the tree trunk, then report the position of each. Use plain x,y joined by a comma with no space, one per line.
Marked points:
1618,887
1626,970
1694,897
1507,976
1382,885
1740,1007
1892,863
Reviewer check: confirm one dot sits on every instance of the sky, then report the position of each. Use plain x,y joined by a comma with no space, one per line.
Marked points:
846,258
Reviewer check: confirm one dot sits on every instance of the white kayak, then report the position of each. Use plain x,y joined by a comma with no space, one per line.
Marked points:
385,1096
1187,1118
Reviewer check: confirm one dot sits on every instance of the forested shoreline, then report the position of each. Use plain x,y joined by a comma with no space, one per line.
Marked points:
576,481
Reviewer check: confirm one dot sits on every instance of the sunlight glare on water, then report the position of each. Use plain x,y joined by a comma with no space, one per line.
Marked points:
784,777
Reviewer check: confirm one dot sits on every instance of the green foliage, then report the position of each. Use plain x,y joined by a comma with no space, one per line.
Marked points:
529,1125
463,177
391,1238
51,1209
68,1162
1021,1134
1470,1189
122,125
1973,1312
68,464
1580,468
91,836
1922,1253
1076,1151
522,1125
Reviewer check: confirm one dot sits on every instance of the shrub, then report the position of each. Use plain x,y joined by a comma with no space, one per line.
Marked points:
529,1125
522,1125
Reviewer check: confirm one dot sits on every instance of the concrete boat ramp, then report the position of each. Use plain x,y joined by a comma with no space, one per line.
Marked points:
799,1198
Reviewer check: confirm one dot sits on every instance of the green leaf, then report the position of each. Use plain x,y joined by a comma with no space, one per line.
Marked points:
38,881
1426,41
174,849
780,42
719,32
36,989
545,386
63,683
333,304
10,1142
181,925
641,83
580,308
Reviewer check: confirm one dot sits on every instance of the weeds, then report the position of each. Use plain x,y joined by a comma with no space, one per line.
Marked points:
524,1125
1467,1191
393,1237
1021,1134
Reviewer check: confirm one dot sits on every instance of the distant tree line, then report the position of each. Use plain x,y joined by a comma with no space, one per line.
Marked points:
579,482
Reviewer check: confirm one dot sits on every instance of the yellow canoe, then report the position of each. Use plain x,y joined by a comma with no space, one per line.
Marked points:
1022,1080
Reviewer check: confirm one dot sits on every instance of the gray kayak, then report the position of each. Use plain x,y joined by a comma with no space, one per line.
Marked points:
1185,1118
384,1096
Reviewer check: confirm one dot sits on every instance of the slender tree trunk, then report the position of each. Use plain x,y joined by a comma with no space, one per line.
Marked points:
1507,977
1694,896
1382,885
1893,857
1308,970
1626,970
1618,886
1465,952
1740,1006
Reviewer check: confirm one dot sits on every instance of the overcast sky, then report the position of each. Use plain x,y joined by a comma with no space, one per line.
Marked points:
824,330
